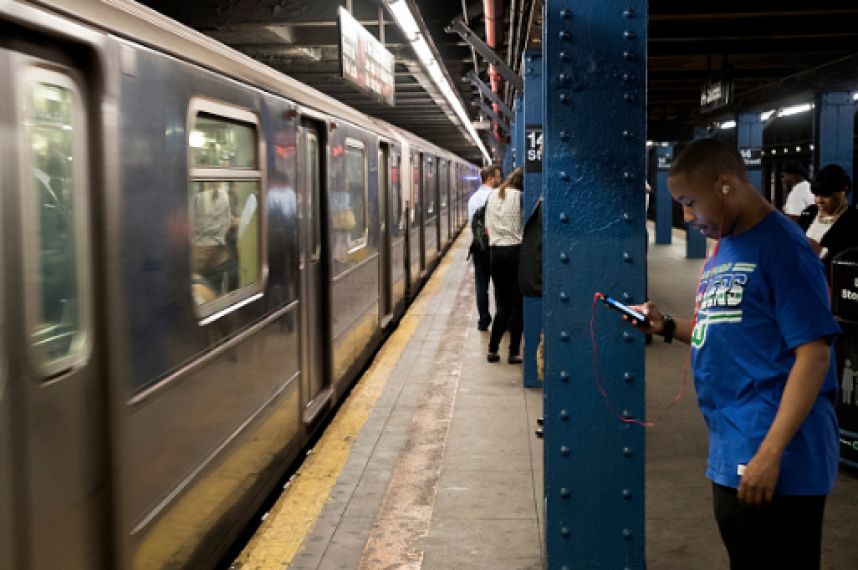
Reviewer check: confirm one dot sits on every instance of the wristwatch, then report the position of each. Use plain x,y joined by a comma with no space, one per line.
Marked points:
668,329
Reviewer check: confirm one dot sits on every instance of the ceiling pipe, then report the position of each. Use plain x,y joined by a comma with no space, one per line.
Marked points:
492,9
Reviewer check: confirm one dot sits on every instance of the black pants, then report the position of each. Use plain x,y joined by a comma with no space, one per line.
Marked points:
786,533
482,278
508,302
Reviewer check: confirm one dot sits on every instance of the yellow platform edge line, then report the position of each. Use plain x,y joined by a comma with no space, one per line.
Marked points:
294,515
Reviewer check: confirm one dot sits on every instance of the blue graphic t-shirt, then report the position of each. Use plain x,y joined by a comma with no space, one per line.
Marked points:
763,295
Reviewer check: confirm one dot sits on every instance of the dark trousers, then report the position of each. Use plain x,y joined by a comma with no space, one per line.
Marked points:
786,533
508,300
482,278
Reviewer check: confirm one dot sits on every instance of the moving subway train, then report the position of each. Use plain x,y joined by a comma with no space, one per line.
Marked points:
198,256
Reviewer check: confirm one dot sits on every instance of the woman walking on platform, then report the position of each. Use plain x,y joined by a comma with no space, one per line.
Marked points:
503,221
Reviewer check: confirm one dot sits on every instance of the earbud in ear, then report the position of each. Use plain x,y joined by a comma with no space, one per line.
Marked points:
725,189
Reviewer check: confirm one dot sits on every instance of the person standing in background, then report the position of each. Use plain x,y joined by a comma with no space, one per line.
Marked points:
794,180
830,223
503,220
491,177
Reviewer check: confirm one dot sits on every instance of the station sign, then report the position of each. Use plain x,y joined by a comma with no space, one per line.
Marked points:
364,60
716,93
533,148
664,161
752,156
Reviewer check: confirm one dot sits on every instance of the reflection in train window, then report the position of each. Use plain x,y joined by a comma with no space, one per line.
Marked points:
54,130
348,208
226,144
225,210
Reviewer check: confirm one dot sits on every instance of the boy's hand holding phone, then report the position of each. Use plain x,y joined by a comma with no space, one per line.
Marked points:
651,312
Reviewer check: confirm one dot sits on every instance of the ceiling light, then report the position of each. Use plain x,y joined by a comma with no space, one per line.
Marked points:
795,110
401,12
728,124
766,115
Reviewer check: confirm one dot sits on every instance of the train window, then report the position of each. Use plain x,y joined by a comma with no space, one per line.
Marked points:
445,181
225,208
349,208
396,187
429,186
56,206
415,185
315,206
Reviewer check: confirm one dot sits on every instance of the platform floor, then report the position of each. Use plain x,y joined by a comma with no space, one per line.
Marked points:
432,462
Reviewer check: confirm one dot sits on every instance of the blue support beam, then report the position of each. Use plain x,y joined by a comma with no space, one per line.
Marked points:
834,126
594,240
695,242
749,140
663,199
518,131
532,159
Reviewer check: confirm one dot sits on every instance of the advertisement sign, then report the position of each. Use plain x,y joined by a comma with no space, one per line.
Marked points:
364,61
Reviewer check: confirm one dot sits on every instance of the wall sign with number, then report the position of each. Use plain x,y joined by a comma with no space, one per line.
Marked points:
533,148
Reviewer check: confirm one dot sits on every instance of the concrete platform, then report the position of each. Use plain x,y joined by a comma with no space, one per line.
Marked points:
433,463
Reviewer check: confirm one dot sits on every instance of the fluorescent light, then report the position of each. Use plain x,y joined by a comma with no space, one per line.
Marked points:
197,139
855,96
766,115
404,19
798,149
408,24
728,124
795,110
649,144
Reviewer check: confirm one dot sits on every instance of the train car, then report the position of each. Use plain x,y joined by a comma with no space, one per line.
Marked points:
199,256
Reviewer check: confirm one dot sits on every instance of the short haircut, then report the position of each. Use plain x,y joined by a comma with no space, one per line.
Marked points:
488,171
708,159
829,180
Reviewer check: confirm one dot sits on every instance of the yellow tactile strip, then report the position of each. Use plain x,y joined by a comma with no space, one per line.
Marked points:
294,515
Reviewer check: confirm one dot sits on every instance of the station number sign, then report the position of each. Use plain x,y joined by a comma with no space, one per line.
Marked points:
533,148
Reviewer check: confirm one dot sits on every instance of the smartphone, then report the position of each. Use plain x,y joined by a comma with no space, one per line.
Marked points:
631,313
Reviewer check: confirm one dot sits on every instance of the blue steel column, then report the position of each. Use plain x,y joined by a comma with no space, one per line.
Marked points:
749,139
663,199
834,129
532,191
594,240
518,131
695,242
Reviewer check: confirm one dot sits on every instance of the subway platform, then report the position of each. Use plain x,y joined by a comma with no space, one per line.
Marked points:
433,463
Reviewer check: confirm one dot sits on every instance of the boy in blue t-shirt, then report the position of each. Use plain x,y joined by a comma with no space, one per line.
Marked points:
763,366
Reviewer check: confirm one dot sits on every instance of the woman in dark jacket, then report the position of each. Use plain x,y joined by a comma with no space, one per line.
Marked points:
831,224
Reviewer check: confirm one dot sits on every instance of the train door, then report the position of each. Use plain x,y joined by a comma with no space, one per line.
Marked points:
53,460
314,289
384,273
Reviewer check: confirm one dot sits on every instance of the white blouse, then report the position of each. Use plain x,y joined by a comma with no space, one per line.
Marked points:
503,218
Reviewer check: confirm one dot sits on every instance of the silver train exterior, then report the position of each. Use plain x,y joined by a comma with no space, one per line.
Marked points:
153,384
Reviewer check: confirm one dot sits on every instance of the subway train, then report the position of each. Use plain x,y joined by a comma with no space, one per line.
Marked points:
199,255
